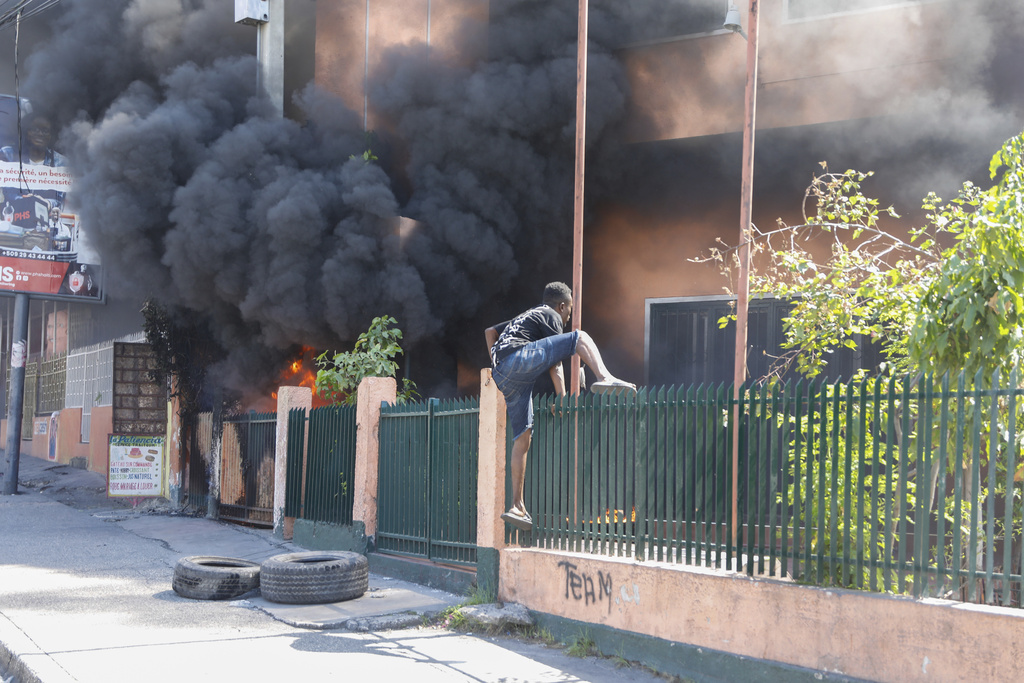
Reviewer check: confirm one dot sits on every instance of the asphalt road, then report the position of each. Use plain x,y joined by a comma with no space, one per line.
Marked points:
85,596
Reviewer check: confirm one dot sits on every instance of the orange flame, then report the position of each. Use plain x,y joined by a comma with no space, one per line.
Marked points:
302,373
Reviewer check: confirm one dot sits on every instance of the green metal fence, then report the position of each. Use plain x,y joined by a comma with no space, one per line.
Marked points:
296,465
319,485
904,486
427,480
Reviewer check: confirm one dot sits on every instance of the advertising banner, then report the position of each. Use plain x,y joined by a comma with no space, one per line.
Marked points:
135,466
42,250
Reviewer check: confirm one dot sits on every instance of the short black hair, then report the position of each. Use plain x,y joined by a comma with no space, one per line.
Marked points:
555,293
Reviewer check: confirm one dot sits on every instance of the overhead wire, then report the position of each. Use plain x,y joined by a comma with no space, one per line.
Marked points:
22,9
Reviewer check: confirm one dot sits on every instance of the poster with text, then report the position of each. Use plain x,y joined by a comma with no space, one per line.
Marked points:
42,248
135,466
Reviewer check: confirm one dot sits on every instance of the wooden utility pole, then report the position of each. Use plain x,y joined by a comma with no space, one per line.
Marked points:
743,276
581,139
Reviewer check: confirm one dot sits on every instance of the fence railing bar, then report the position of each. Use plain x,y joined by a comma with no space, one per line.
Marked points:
990,516
1011,469
833,457
975,522
823,449
940,506
958,481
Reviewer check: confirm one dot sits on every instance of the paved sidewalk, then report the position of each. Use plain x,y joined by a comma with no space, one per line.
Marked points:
85,596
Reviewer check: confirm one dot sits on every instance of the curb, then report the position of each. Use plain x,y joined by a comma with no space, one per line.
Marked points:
43,669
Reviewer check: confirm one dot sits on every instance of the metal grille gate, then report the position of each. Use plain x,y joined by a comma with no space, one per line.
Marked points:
427,480
200,436
319,485
247,469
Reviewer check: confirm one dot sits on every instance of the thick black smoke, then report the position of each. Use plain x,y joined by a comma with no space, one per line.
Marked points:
279,234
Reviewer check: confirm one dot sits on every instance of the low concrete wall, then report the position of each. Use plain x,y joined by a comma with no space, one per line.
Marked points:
858,634
325,536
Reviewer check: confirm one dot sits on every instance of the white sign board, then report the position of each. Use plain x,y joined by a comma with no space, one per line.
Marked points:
135,466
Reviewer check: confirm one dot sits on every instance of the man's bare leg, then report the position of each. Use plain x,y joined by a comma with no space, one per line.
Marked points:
520,447
589,354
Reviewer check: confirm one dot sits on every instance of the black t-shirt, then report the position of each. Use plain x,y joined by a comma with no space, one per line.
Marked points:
533,325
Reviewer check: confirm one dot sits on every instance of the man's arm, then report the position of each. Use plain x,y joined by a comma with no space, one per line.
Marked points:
558,378
491,335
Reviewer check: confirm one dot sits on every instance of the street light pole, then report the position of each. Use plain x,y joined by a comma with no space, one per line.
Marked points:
743,275
15,406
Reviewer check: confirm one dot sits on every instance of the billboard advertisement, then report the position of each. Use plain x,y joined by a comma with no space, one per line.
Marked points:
42,250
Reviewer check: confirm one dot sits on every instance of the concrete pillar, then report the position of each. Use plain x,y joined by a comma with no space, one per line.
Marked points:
270,51
288,398
372,391
490,487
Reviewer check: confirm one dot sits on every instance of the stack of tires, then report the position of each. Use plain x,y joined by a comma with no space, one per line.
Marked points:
292,578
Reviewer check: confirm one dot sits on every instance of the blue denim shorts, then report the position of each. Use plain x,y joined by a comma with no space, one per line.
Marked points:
516,373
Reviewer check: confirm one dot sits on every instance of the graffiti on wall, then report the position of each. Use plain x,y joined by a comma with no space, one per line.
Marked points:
597,590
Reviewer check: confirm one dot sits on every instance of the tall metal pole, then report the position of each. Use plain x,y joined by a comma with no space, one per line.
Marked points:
743,277
15,407
581,138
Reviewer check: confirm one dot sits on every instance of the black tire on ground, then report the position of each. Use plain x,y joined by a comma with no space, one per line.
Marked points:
314,577
204,577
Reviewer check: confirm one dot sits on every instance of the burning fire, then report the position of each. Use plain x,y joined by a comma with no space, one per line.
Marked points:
302,373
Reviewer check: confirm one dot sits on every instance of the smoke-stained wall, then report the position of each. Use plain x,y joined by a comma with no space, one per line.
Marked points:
920,93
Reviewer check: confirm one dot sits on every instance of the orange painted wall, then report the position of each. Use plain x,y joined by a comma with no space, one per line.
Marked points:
100,427
858,634
812,71
69,443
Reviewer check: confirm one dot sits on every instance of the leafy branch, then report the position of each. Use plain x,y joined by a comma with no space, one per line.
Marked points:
338,376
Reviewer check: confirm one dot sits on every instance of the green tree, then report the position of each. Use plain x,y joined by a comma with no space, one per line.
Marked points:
971,316
338,376
947,299
952,308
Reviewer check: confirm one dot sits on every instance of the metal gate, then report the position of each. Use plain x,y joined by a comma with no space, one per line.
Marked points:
200,436
247,469
319,483
427,480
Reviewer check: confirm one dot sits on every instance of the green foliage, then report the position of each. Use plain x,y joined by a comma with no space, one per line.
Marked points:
847,277
846,488
453,618
480,596
542,634
972,315
184,348
936,308
947,299
338,376
367,156
581,645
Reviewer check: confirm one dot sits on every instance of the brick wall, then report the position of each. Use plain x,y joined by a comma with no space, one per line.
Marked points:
140,404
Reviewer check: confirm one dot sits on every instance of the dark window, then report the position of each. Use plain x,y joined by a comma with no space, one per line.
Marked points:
686,346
